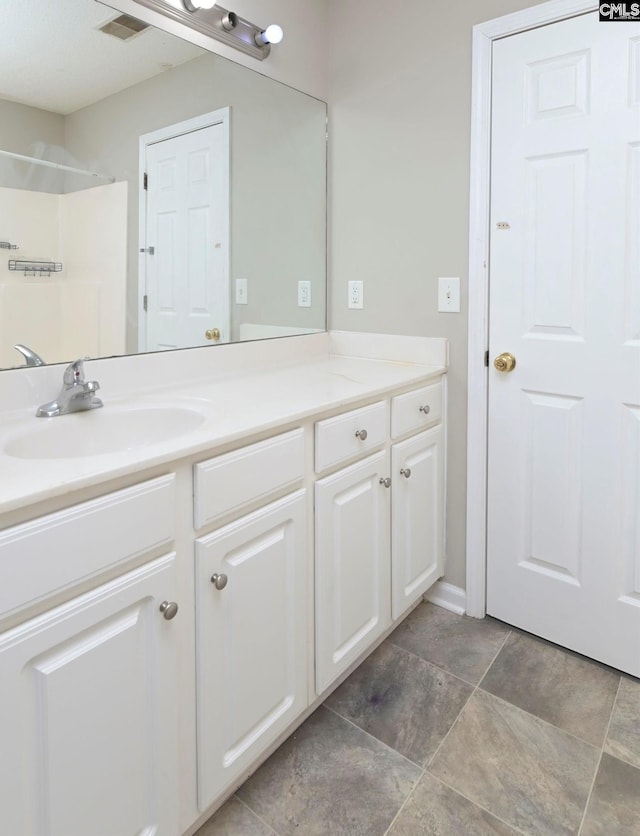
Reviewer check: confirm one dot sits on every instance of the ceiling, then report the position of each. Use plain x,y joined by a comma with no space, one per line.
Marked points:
53,57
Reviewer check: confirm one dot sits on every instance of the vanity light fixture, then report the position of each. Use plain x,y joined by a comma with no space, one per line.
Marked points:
229,21
212,20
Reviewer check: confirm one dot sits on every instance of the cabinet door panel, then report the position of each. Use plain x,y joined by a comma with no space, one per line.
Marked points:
417,517
352,565
251,640
88,714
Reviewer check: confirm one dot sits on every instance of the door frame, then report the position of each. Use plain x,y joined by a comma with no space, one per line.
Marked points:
479,236
222,116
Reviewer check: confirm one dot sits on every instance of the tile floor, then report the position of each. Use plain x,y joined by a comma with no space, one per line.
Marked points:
455,726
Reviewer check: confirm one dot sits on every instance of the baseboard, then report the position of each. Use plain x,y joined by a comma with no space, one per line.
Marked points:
448,596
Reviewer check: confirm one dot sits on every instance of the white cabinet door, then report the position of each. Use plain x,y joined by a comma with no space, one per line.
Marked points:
352,564
251,639
88,714
417,549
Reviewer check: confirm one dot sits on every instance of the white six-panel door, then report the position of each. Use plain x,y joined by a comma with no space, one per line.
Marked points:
564,425
187,239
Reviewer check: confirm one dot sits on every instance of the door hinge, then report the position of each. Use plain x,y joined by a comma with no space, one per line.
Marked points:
145,181
486,354
145,299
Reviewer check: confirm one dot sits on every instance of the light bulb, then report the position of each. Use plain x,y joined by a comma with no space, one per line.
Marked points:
273,34
194,5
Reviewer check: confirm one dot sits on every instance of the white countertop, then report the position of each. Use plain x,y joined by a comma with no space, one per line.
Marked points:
236,403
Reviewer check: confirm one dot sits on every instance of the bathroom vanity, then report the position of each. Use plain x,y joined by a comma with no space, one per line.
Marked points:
177,598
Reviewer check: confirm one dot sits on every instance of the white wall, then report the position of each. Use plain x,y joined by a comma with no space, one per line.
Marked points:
80,310
93,249
399,117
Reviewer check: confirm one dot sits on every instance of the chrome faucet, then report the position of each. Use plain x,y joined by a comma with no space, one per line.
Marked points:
76,395
31,358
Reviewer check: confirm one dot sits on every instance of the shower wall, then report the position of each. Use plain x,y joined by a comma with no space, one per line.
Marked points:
79,311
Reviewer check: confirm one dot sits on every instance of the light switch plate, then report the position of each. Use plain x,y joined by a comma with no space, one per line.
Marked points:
449,295
242,297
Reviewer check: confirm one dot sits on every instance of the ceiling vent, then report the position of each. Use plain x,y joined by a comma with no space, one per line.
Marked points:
123,27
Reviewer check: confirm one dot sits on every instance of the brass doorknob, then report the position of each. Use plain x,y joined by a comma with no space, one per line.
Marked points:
505,362
212,334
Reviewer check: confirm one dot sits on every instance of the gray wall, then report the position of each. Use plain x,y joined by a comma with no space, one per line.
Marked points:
399,114
33,133
277,172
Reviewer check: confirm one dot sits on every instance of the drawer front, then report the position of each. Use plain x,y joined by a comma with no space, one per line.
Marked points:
351,435
60,550
230,483
416,410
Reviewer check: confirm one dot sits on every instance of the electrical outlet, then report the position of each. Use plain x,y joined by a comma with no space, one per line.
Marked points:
304,294
356,295
449,295
242,294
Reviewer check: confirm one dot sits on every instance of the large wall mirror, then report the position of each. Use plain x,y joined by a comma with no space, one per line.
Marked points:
227,241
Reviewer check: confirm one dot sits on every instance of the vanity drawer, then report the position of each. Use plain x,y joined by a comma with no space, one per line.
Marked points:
230,483
416,410
350,435
60,550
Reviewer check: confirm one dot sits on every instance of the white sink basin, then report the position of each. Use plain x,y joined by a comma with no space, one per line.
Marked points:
111,429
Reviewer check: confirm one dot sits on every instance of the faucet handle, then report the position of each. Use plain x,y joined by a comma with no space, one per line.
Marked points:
74,373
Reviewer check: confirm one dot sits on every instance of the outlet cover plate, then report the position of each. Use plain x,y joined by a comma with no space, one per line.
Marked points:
355,298
304,294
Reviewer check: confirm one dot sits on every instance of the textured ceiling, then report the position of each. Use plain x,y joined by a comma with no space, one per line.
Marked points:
52,55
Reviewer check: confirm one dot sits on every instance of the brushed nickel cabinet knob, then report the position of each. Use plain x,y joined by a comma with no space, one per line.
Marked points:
219,580
169,609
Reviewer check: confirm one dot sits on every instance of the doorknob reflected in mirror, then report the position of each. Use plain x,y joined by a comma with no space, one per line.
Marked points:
505,362
212,334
